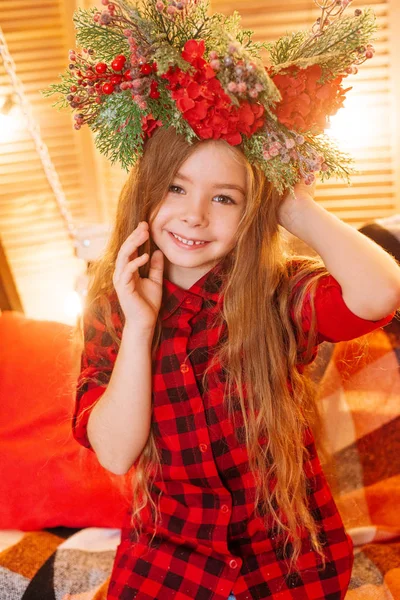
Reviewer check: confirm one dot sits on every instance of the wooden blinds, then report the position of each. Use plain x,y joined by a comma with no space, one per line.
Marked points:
33,234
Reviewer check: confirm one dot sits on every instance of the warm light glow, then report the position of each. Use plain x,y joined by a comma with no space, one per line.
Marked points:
8,126
73,305
357,125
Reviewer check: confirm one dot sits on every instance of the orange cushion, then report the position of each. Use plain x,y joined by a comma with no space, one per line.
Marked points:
47,479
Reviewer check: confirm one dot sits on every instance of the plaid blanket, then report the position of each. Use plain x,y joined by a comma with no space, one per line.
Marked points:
360,403
70,564
359,391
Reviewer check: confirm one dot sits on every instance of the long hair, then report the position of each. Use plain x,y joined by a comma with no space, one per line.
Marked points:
261,354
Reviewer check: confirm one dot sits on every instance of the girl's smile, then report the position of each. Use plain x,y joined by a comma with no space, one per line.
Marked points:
189,245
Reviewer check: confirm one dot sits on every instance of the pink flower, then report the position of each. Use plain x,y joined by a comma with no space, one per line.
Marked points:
215,64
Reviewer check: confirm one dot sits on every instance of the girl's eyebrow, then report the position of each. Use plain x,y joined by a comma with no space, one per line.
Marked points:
229,186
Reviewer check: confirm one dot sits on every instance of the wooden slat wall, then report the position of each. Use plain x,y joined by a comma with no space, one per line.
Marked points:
373,192
33,233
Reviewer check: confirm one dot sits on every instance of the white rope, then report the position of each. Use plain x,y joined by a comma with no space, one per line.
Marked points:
41,148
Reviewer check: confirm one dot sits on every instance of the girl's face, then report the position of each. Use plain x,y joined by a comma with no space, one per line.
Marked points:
205,202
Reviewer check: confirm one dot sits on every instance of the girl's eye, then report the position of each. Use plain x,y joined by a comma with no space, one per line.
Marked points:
226,198
174,187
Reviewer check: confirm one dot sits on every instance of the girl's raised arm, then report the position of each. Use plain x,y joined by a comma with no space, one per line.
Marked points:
369,276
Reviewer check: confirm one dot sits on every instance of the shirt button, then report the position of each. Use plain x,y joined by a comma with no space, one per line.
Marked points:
233,564
203,447
225,508
188,301
184,368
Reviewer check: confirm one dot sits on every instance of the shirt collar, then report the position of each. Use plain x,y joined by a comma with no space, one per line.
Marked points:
207,288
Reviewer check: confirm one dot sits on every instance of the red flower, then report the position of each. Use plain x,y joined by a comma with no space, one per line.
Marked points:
306,104
204,104
149,125
193,52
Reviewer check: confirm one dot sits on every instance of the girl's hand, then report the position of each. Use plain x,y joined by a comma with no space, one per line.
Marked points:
140,298
291,206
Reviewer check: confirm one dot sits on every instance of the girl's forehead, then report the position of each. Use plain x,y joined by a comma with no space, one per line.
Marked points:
213,161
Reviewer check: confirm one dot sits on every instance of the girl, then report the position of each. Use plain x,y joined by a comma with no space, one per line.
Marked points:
199,329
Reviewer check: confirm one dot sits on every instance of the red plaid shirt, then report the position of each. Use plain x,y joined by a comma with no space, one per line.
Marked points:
209,542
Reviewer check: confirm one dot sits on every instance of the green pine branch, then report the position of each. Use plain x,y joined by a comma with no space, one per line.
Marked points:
334,50
107,42
344,36
178,31
340,164
118,125
63,88
283,49
118,129
284,176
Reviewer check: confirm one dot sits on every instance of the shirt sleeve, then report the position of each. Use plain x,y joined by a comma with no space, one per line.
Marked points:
335,321
97,362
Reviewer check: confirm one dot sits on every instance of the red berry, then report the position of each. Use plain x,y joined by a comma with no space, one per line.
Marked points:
154,66
116,79
128,75
73,88
108,88
145,69
101,68
154,94
118,64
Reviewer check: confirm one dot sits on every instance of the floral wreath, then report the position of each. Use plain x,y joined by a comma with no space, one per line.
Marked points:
170,63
